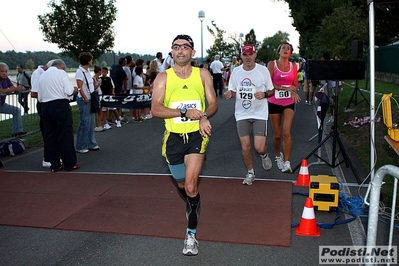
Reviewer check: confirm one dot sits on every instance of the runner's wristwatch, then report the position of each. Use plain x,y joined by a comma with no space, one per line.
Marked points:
183,112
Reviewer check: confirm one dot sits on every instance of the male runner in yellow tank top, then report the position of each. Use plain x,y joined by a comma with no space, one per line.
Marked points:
179,96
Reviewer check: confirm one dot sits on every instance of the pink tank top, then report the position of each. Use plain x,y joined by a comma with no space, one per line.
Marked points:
282,78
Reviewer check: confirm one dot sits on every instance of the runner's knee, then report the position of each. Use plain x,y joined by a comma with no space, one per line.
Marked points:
178,172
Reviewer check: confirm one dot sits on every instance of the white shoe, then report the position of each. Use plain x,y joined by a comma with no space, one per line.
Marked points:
82,151
107,126
46,164
118,123
99,129
287,167
330,121
249,179
123,120
190,245
280,161
266,162
149,116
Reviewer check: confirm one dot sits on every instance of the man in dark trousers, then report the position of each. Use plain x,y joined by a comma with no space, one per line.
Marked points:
23,79
120,79
217,69
54,92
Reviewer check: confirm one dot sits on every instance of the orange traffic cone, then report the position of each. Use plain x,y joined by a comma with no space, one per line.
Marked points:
303,176
307,226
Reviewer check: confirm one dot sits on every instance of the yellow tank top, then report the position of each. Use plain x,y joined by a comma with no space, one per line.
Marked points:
183,93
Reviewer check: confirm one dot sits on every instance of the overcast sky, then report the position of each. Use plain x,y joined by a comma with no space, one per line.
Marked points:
148,27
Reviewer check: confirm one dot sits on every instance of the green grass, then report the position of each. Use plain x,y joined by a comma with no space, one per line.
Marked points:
31,125
359,138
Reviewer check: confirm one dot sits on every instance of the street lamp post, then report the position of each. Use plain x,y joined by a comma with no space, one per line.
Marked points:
201,16
241,36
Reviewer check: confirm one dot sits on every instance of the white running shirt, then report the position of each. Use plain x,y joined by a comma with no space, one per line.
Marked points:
245,84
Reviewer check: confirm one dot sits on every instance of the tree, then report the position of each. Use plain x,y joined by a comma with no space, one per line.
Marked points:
30,64
386,24
336,39
315,20
267,51
220,47
236,41
250,38
307,16
77,26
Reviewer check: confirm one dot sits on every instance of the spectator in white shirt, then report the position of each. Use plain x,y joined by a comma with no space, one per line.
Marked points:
217,74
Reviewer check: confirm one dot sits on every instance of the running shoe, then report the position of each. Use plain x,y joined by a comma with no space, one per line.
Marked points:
330,121
107,126
249,179
118,123
287,167
123,120
280,161
95,148
138,120
99,129
266,162
46,164
190,245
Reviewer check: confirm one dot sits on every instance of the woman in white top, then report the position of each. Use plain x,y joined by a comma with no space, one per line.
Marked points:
85,138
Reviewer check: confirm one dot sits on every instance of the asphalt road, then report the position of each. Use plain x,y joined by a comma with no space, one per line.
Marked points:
136,149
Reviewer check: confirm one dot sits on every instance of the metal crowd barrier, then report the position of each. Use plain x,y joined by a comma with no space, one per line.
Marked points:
30,121
375,204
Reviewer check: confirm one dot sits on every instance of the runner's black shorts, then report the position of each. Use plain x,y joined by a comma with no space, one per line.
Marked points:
279,109
176,145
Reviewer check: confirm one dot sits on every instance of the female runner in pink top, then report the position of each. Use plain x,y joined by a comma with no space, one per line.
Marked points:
282,103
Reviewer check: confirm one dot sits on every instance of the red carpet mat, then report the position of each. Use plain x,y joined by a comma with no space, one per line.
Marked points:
148,206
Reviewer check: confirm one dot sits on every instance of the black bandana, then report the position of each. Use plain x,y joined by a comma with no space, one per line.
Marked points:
184,37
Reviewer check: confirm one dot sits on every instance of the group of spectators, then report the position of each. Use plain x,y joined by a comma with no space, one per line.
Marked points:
51,86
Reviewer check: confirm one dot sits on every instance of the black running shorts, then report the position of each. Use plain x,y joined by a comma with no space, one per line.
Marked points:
176,145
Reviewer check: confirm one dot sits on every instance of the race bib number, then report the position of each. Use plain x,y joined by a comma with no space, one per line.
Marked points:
194,104
246,93
282,94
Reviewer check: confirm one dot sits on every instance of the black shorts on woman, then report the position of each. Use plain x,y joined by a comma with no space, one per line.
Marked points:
279,109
